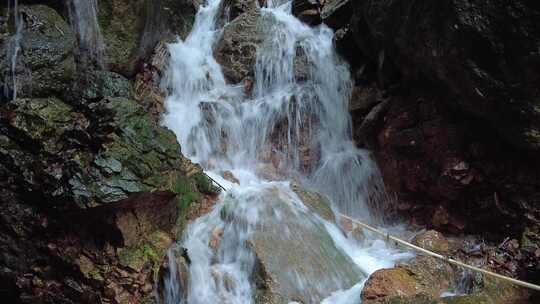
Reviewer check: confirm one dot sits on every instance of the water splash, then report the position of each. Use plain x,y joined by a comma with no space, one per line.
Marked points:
171,283
295,125
83,19
13,49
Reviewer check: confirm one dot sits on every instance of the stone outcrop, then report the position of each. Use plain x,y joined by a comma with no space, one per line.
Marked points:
104,186
422,276
45,64
308,11
282,264
446,97
424,279
131,30
88,160
236,49
484,54
93,190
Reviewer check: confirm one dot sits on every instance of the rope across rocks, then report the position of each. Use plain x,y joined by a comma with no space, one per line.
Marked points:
449,260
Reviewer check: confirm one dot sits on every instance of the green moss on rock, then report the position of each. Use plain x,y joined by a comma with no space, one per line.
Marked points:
133,153
150,252
204,184
131,29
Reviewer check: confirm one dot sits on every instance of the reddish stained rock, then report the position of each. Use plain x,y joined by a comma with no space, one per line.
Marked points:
445,175
389,282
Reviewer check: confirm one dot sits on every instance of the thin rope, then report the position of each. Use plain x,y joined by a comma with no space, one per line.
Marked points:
449,260
446,259
215,182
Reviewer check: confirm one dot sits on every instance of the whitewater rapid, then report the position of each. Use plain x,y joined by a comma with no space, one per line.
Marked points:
224,128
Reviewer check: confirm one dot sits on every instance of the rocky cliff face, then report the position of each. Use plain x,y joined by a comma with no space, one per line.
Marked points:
447,97
93,190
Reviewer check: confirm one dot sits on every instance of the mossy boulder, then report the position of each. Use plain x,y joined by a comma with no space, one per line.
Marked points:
421,277
101,156
151,252
45,64
131,29
424,279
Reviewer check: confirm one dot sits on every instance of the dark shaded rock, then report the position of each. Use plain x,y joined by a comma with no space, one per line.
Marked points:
102,255
94,85
453,141
484,53
308,11
336,13
448,168
45,64
83,216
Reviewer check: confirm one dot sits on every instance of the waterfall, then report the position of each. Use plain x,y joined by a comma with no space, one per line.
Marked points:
295,126
13,49
83,19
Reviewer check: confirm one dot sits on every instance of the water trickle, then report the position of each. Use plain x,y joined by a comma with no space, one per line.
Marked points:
83,19
294,126
13,49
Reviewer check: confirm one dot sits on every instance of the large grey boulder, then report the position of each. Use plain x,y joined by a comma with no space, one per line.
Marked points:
297,259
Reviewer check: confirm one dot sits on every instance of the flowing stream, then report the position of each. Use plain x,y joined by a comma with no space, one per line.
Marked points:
290,129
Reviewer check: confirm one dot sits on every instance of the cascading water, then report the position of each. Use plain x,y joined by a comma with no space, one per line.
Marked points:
263,139
13,49
83,19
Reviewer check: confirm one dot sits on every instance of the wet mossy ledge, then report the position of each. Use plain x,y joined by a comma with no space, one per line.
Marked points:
105,190
96,156
95,189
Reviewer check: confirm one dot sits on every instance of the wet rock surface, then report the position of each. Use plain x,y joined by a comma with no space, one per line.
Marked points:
93,190
425,279
280,262
88,183
92,159
235,50
446,97
131,30
45,64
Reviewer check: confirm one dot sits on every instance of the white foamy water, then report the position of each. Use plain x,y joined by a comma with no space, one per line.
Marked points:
294,126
